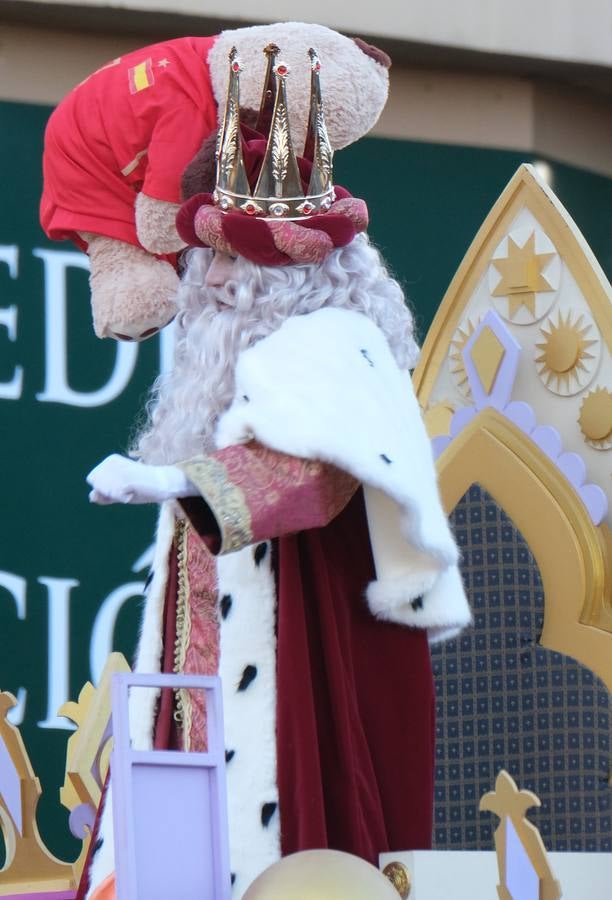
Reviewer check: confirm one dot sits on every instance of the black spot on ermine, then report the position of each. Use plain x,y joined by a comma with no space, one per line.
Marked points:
385,458
267,811
417,603
260,553
229,755
226,605
364,353
249,675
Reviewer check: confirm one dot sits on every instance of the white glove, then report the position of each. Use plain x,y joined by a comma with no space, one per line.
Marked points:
120,480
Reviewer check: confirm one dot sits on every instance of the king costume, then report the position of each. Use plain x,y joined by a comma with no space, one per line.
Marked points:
313,562
324,660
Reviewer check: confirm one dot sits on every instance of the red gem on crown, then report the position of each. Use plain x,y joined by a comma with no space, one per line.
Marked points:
282,70
236,67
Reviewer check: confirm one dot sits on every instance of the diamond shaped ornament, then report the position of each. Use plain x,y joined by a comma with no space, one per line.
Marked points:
491,358
487,354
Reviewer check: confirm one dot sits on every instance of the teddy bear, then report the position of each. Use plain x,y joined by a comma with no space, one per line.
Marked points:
117,146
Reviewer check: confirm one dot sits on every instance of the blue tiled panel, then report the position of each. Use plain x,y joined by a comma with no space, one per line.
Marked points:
505,702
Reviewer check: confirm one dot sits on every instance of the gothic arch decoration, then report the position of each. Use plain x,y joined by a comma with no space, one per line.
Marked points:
503,701
521,404
569,549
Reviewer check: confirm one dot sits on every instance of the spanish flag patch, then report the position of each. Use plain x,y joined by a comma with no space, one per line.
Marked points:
141,76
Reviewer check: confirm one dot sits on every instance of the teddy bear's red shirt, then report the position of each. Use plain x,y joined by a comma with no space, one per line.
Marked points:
131,126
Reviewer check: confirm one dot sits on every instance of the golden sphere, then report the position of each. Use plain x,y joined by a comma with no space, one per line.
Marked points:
399,877
317,874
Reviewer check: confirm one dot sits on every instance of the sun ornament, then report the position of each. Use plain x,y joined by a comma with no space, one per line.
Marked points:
524,276
455,356
595,419
568,354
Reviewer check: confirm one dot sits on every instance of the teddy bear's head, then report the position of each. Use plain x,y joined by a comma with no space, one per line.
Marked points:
133,292
354,76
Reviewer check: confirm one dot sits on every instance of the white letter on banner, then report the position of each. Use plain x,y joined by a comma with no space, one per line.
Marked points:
104,626
11,390
16,586
58,668
57,389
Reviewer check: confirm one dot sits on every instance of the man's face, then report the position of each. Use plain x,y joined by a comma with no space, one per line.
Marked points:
220,272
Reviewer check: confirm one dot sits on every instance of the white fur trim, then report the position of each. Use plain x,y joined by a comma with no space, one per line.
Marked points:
353,85
326,386
443,613
103,863
248,639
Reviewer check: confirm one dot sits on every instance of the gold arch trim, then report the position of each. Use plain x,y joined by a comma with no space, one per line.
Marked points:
525,190
570,551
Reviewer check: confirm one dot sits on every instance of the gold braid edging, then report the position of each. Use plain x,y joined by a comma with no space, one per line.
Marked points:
182,712
226,500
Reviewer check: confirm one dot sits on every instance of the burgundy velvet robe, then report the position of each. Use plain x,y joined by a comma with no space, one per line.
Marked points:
355,697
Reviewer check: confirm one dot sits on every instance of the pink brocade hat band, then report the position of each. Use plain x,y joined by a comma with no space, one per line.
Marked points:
268,242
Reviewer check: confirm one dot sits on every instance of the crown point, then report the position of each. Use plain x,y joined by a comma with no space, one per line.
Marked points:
314,60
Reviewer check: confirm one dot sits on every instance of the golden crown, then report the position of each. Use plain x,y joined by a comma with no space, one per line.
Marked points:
278,193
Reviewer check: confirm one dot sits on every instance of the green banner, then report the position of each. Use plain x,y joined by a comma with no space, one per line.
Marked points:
71,574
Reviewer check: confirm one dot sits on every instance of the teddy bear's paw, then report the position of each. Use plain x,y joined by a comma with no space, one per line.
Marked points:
144,308
133,294
156,225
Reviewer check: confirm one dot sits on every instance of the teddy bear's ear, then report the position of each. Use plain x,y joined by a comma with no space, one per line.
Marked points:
374,52
354,76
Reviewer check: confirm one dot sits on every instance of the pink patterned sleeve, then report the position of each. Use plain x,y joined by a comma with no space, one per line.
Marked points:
249,493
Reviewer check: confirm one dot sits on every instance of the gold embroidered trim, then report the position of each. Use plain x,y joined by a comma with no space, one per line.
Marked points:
226,500
183,710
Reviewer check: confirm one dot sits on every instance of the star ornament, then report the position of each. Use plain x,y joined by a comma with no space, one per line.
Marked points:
163,63
521,275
